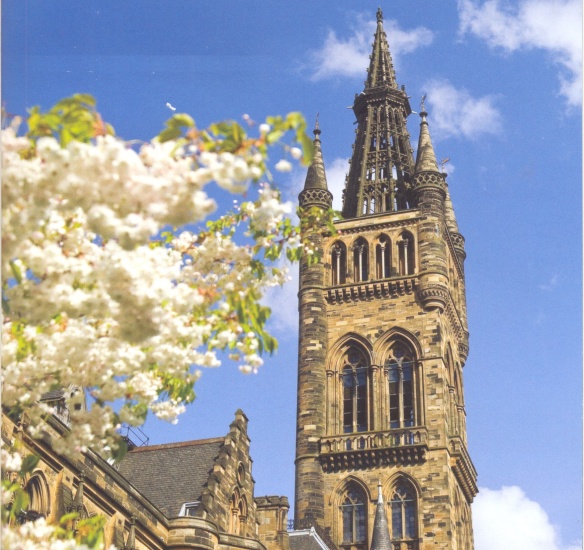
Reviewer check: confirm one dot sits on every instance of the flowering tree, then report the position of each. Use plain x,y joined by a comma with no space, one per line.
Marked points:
102,295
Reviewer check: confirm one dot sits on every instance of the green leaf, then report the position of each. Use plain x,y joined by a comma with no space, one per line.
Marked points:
29,463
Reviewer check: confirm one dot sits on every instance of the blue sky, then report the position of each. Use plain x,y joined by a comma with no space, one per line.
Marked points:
503,85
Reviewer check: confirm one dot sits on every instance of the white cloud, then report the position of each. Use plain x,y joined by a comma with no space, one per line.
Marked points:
283,301
507,518
350,57
552,25
456,113
335,179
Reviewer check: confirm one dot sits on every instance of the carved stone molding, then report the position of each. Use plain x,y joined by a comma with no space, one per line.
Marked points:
316,197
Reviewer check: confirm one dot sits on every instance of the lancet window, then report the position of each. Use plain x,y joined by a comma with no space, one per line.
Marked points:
402,379
383,257
339,263
406,253
403,513
361,260
355,382
238,514
354,520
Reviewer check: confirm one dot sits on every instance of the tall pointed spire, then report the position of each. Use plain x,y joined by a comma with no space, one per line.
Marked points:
382,162
315,192
380,72
425,158
381,539
316,176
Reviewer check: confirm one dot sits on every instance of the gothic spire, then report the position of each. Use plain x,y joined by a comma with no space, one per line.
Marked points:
380,539
425,158
380,72
316,176
315,192
382,162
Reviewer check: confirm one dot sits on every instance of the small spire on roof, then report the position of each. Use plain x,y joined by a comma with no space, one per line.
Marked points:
380,539
426,158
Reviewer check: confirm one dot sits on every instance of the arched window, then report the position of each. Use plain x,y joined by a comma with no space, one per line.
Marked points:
339,263
383,258
361,260
38,498
403,513
406,254
355,377
401,376
354,519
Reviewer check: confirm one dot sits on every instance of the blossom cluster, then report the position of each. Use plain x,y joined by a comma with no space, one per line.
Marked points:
38,535
105,300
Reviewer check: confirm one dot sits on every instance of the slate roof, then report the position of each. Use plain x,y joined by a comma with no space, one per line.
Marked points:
172,474
306,540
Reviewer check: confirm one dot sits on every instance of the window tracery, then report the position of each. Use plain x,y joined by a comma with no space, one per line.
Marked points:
403,513
354,520
401,378
355,382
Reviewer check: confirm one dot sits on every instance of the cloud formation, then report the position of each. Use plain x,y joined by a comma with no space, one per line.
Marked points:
456,113
551,25
507,518
349,57
335,179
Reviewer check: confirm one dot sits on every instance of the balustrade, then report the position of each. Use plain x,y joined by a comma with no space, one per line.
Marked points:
374,440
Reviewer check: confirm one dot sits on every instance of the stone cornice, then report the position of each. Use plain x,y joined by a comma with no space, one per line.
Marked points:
463,468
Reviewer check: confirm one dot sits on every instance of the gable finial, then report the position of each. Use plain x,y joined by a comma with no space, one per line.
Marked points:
379,15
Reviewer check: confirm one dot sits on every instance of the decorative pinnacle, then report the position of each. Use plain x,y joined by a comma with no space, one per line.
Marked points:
316,130
423,106
379,14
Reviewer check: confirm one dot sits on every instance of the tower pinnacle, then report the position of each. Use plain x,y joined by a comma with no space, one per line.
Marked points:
316,191
425,158
382,162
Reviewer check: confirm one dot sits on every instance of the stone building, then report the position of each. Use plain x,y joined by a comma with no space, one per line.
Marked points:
189,495
381,451
383,340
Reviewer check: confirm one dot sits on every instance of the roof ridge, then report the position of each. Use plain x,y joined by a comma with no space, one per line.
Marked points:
178,444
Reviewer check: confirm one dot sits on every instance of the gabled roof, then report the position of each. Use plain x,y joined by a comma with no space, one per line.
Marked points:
171,475
306,539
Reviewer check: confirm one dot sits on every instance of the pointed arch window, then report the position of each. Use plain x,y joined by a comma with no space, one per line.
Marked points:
238,514
38,499
403,514
406,254
354,520
383,257
356,381
339,263
402,394
361,261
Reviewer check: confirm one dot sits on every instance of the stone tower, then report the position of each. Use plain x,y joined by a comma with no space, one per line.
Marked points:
383,341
